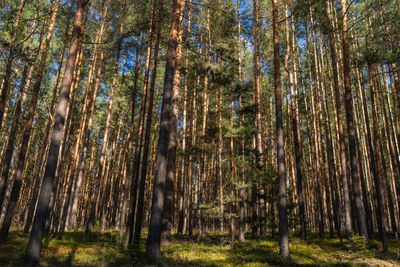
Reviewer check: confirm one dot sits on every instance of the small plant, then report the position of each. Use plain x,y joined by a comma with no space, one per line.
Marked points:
358,243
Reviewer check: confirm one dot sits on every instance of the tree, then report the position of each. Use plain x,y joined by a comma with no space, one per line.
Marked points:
283,220
32,253
153,240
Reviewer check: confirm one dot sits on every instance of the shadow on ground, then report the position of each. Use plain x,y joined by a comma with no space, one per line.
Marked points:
102,249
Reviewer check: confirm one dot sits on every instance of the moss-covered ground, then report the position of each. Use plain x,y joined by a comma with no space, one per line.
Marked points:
102,249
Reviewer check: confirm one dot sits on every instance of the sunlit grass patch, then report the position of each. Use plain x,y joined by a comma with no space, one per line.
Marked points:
210,252
102,249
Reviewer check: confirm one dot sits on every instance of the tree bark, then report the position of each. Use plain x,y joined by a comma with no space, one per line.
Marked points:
154,236
380,217
32,254
139,132
283,220
146,148
348,97
342,145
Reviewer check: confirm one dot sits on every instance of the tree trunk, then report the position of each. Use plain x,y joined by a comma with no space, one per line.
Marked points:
201,183
167,221
103,157
139,132
380,217
342,145
146,148
153,240
292,79
283,220
32,254
242,192
350,124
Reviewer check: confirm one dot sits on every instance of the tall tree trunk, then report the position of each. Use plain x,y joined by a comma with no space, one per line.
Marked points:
32,254
193,134
220,174
296,140
103,157
128,145
97,182
99,173
182,223
348,97
167,221
201,183
146,148
380,217
339,115
242,192
257,103
283,219
153,240
139,132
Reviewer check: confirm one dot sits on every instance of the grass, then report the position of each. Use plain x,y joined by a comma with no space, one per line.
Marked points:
101,249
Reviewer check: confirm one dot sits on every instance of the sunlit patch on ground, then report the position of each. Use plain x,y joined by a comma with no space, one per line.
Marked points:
102,249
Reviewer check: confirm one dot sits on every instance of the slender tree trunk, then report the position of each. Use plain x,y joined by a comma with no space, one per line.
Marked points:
146,148
380,217
182,199
32,254
201,183
242,192
192,188
283,220
153,240
257,103
128,147
342,145
167,221
139,132
220,174
97,182
296,140
348,97
103,157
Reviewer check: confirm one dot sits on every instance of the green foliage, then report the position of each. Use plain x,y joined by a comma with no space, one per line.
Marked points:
358,243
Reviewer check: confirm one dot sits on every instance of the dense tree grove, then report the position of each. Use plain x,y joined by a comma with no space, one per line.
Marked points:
154,117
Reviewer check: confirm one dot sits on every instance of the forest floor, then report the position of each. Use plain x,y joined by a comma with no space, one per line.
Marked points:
102,249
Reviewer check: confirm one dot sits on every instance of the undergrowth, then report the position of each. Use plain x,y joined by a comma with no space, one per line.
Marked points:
102,249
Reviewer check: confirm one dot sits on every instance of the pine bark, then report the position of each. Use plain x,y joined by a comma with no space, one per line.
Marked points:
32,254
339,115
283,220
348,97
154,236
146,148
